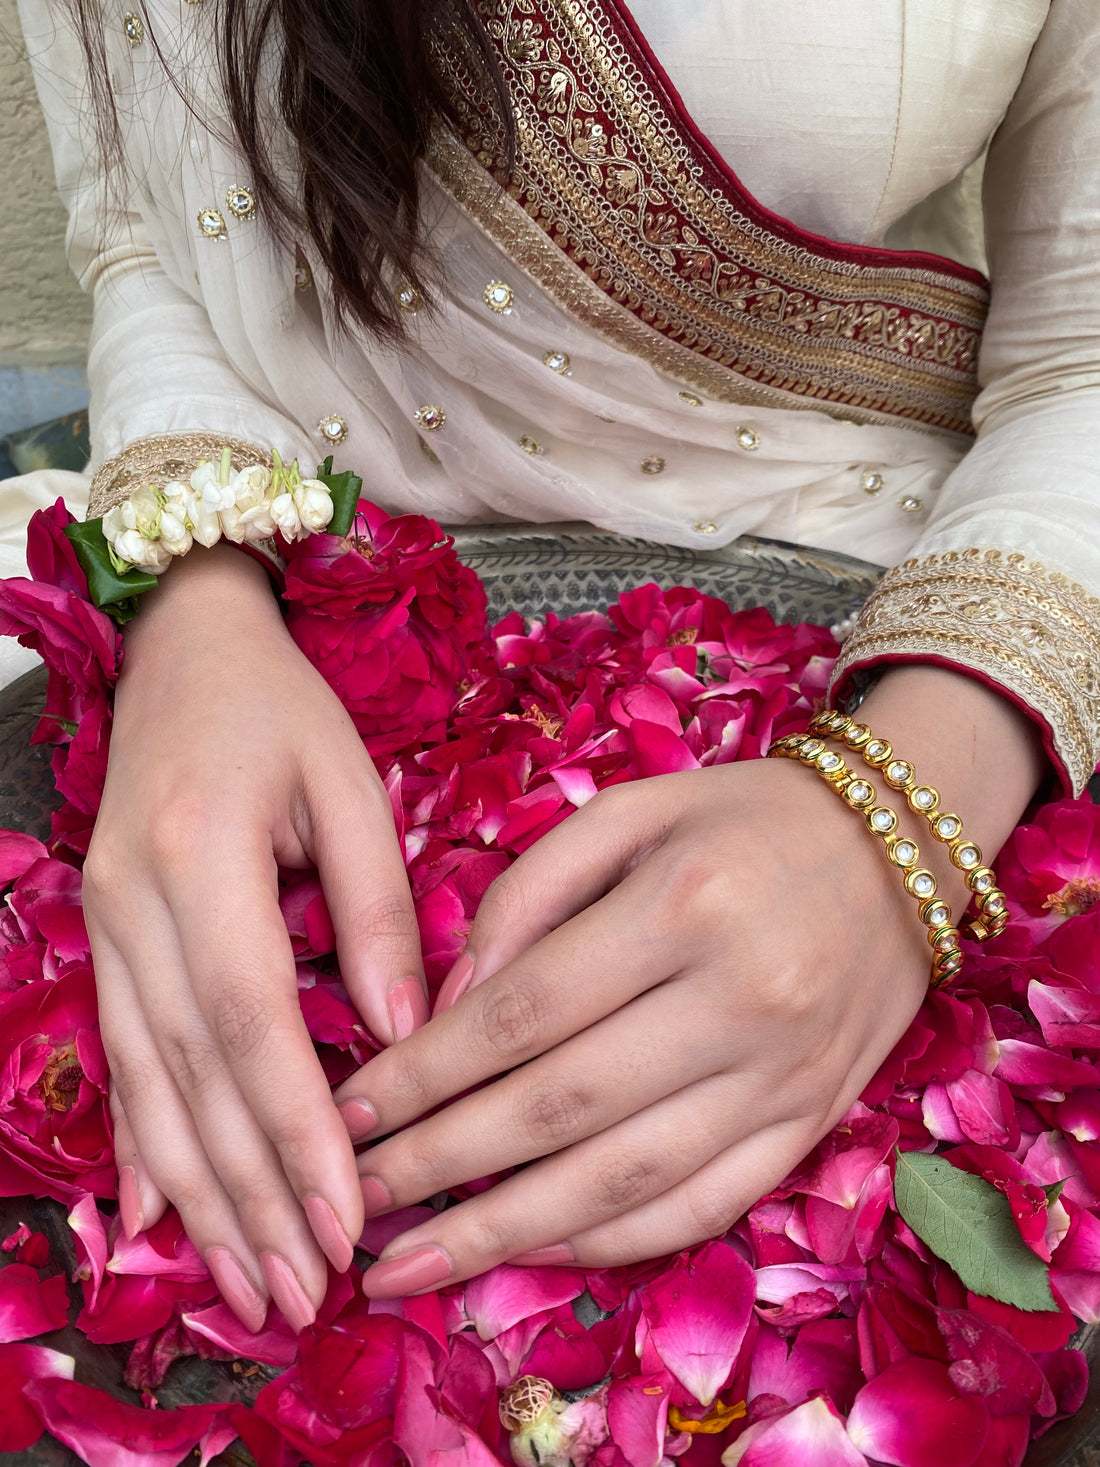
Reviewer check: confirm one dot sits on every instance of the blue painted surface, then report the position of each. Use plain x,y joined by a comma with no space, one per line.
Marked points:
31,395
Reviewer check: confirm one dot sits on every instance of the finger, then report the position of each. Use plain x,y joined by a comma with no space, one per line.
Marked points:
366,887
572,866
596,1079
704,1205
141,1203
596,1181
161,1127
577,974
241,966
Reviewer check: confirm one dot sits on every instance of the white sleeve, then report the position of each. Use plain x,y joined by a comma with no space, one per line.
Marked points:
1005,580
156,366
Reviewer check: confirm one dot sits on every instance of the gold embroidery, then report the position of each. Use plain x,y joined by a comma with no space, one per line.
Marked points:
1026,627
161,460
620,216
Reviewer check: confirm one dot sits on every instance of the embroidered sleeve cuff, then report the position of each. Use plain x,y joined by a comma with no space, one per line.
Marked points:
171,456
1014,623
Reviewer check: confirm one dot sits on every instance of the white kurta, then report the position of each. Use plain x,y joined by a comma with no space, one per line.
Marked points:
864,122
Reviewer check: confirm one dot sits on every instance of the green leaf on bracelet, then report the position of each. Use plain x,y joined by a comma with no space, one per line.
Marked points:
110,591
345,489
968,1223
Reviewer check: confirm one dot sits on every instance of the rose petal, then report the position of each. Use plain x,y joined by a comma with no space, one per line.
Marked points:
697,1313
504,1295
811,1433
30,1306
20,1365
913,1416
108,1433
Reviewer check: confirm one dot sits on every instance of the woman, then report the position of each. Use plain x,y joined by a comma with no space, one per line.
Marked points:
688,982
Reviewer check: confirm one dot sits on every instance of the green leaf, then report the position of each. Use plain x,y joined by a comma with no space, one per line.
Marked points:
968,1223
1054,1191
110,591
345,489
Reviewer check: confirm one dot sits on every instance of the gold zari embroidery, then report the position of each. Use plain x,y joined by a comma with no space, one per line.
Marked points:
159,461
611,211
1026,627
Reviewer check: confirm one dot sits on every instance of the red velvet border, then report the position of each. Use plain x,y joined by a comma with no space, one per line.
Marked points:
722,174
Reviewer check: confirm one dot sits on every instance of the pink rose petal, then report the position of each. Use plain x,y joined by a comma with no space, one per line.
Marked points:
697,1313
29,1306
20,1365
505,1295
811,1433
913,1416
107,1433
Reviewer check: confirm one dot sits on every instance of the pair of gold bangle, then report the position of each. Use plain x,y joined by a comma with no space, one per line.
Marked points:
902,851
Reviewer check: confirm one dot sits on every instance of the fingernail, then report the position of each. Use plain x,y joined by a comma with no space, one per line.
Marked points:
359,1118
552,1253
328,1232
456,983
287,1292
423,1268
408,1006
237,1289
376,1195
129,1203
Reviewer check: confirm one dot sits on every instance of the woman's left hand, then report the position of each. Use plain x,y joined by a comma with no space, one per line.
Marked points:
682,988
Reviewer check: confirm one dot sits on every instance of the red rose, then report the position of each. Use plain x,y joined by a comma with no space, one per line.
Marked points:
394,622
55,1135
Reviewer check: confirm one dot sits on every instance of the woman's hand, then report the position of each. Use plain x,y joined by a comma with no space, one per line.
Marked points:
229,758
695,975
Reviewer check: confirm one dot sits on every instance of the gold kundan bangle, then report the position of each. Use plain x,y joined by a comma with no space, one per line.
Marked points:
924,799
901,851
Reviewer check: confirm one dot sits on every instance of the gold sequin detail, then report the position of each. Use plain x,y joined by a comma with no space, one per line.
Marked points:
430,417
303,275
871,483
705,527
748,439
530,445
212,224
690,398
333,428
1026,627
134,28
241,202
557,361
654,464
409,299
909,503
499,297
161,460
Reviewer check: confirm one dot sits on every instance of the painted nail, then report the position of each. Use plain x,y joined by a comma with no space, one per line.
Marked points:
359,1118
287,1292
456,983
129,1203
552,1253
376,1195
423,1268
328,1232
408,1006
237,1289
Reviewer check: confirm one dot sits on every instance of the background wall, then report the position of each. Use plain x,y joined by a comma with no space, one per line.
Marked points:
44,316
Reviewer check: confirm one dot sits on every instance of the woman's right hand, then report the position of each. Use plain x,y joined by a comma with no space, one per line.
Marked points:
230,756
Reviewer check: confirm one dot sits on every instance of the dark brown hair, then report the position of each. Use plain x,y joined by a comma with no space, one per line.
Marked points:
358,91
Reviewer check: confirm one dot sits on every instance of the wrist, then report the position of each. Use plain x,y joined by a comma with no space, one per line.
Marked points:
208,596
981,752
